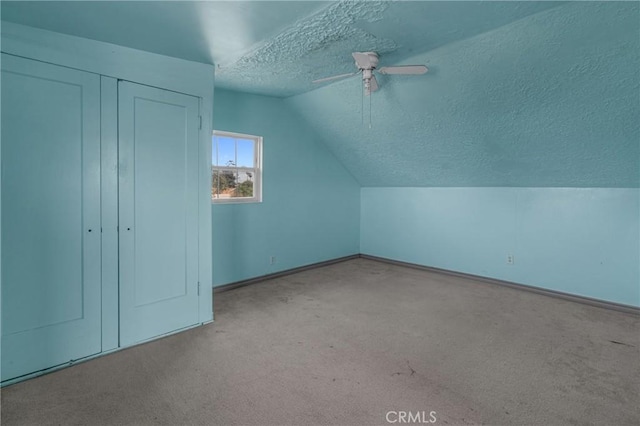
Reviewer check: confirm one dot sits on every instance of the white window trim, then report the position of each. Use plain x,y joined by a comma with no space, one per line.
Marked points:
257,183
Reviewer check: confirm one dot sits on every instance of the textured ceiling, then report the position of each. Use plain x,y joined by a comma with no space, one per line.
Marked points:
321,45
518,93
201,31
549,100
267,47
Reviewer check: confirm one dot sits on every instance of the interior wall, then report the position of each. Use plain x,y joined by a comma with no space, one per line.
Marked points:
523,140
574,240
311,204
119,62
80,76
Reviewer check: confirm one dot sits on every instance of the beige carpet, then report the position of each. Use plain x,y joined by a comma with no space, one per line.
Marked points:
355,343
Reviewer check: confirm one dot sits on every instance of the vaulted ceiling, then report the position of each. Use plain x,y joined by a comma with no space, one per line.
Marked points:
518,93
552,100
273,48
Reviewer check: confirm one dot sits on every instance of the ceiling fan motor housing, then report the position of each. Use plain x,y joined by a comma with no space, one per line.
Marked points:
373,61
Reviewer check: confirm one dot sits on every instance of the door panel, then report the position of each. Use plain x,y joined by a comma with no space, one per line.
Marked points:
50,215
158,151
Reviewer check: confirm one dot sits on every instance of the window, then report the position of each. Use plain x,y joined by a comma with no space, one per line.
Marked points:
236,170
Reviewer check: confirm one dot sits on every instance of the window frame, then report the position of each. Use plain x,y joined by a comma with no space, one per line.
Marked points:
256,170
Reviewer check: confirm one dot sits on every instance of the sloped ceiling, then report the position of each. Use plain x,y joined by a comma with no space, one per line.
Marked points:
551,100
273,48
518,93
320,45
218,32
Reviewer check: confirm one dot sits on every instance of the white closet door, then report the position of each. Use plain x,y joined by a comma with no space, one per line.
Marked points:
50,215
158,211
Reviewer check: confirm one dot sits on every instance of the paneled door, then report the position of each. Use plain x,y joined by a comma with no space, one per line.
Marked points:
158,211
50,215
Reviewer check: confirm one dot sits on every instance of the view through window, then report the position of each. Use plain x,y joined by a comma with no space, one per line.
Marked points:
236,168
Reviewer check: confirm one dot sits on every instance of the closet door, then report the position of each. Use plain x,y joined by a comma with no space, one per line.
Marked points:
158,187
50,215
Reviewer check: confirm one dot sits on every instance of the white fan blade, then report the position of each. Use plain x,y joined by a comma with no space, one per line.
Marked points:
363,60
404,69
335,77
373,85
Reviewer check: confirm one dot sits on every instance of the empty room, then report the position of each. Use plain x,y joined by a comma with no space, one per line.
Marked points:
320,213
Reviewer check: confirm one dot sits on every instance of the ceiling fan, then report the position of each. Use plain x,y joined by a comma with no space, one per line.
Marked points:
367,63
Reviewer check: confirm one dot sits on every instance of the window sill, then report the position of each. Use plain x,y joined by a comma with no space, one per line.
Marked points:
236,201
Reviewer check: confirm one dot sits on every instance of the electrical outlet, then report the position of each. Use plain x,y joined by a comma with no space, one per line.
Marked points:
510,259
272,260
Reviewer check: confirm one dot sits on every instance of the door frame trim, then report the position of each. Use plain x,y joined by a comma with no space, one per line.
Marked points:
109,212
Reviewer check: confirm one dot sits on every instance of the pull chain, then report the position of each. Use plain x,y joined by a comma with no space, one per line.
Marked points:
362,106
370,108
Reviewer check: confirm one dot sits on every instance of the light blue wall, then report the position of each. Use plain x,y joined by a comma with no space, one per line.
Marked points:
524,139
117,62
311,204
578,241
105,63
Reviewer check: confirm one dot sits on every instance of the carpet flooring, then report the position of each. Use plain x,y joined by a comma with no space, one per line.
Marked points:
360,343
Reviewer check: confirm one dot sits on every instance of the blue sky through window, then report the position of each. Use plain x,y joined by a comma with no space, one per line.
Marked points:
236,150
